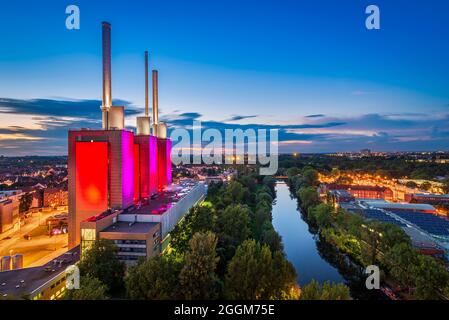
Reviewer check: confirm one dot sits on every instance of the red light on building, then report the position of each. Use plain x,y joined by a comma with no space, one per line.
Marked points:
137,181
91,178
168,170
147,160
153,164
161,164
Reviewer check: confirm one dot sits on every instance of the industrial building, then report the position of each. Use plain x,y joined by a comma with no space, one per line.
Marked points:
133,239
397,206
139,231
113,168
361,192
430,198
120,183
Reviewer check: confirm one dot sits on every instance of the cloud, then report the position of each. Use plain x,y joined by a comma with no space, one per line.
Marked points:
40,126
60,108
315,116
239,117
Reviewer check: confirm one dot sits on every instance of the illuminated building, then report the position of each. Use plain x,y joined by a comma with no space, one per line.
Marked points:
47,282
55,197
134,240
435,199
362,192
9,210
112,168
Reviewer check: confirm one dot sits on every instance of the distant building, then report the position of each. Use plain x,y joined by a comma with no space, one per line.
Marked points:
341,196
55,197
404,207
363,192
434,199
365,152
7,217
9,210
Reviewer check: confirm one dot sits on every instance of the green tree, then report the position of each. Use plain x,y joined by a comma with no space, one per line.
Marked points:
321,215
308,197
235,191
371,237
232,228
327,291
411,184
446,185
271,238
400,260
90,289
198,278
270,183
291,172
155,279
101,262
25,202
199,219
264,196
255,273
311,177
426,186
258,220
431,278
392,235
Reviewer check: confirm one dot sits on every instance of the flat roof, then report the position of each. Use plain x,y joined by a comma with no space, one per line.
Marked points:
164,200
20,282
401,206
442,196
420,240
130,227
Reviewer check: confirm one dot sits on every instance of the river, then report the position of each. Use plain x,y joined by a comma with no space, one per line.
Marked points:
313,258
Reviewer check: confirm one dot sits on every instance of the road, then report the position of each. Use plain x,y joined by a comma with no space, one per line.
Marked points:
40,249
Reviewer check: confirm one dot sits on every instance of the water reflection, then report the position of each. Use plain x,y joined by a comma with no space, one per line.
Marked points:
312,257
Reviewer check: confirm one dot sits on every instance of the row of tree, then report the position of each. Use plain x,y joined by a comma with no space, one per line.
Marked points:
224,248
392,167
371,242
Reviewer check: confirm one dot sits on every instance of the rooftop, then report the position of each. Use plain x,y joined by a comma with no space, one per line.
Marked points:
164,200
131,227
401,206
431,195
20,282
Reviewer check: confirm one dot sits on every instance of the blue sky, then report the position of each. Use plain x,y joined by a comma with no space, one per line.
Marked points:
308,68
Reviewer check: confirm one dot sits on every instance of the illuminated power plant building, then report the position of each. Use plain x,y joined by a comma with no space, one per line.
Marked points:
117,176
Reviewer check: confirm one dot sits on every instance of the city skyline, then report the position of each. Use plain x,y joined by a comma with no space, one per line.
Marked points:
314,72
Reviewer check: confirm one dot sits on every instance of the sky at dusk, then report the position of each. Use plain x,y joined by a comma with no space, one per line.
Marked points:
308,68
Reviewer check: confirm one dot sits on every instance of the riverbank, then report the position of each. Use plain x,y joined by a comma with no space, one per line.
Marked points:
312,256
386,246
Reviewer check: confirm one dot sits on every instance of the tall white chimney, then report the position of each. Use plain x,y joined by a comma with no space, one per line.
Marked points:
155,103
107,77
144,123
146,83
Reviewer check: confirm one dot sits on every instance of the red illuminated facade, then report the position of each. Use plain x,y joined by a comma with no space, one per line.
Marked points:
107,158
363,192
161,164
147,161
137,181
91,177
112,169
